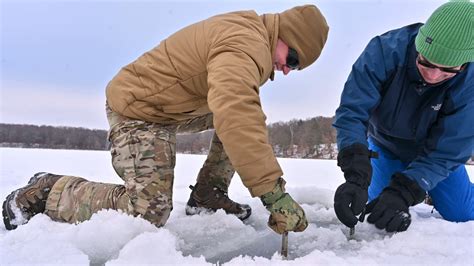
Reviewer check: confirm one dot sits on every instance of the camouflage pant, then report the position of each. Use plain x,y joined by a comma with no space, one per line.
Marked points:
143,155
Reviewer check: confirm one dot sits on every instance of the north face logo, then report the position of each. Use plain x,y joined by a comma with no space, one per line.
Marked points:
429,40
436,107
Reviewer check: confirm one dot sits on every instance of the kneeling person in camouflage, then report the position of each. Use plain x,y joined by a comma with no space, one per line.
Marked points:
204,76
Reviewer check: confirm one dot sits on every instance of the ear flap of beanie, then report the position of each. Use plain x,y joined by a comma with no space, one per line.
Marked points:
304,29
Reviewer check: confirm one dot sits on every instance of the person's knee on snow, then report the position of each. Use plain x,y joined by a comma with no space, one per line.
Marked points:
455,214
154,202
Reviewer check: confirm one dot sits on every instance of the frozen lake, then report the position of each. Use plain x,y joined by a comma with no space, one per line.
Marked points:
115,238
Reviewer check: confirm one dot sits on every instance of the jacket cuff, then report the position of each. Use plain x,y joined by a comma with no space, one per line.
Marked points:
259,190
354,161
277,192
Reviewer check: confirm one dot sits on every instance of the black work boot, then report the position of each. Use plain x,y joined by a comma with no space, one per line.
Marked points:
26,202
206,198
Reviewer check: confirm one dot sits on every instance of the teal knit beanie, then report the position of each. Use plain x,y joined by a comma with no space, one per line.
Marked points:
447,38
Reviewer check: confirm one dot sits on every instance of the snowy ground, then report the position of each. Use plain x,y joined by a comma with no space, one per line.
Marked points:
113,238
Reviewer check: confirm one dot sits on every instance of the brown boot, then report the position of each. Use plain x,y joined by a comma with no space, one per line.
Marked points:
26,202
206,198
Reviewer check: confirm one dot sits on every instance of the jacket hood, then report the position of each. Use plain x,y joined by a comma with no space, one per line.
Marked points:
271,22
304,29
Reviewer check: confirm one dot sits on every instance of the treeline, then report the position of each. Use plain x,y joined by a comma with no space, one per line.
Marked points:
31,136
312,138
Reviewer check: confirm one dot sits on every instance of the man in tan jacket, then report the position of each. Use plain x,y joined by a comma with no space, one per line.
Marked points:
204,76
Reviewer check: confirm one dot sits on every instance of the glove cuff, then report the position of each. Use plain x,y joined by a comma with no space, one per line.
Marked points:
354,161
277,193
409,189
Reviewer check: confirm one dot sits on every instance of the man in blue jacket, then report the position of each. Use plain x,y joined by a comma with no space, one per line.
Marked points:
409,99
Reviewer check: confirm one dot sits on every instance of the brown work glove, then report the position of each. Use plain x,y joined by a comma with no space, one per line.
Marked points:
285,213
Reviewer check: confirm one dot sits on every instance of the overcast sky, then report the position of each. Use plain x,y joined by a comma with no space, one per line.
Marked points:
58,56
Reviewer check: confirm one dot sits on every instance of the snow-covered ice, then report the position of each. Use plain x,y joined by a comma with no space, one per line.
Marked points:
113,238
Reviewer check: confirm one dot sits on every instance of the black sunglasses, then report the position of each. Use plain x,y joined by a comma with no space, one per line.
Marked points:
292,61
427,64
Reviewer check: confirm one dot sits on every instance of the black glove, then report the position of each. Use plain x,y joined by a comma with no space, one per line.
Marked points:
389,210
351,197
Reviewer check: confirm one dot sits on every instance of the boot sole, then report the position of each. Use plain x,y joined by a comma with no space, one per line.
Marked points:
191,210
7,213
245,214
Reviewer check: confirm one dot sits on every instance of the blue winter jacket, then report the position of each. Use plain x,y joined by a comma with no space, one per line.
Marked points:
385,99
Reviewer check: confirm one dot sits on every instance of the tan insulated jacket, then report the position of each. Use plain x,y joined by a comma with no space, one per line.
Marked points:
216,65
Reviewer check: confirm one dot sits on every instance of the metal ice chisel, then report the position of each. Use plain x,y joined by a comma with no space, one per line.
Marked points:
352,229
284,245
351,232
